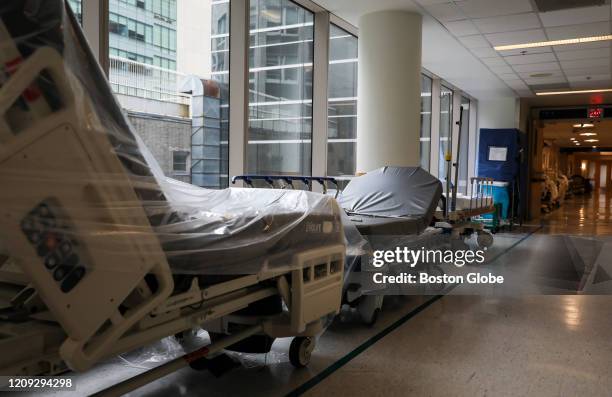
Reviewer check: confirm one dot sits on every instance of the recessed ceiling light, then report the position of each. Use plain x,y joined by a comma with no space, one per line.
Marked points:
584,125
574,92
588,134
578,40
572,139
591,140
594,147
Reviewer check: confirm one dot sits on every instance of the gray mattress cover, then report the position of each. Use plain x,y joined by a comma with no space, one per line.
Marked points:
392,200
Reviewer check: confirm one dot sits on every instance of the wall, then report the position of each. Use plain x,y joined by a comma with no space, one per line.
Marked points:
500,112
162,135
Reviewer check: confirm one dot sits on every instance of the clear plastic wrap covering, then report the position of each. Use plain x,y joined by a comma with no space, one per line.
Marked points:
223,232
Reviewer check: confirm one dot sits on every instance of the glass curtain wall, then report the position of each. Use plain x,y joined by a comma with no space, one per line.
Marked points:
168,65
465,145
425,139
280,88
446,120
77,8
342,103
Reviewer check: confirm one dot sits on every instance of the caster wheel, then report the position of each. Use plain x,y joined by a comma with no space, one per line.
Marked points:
300,351
371,321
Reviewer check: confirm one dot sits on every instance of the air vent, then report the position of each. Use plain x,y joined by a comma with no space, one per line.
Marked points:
554,5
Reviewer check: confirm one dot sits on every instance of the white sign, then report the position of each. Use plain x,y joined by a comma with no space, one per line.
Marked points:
498,153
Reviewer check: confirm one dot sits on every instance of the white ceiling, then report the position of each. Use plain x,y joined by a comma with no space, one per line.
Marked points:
467,30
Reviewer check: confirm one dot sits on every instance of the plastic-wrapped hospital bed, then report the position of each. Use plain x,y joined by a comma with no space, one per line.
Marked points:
104,254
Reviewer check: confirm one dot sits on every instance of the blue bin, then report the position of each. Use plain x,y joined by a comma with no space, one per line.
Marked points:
501,195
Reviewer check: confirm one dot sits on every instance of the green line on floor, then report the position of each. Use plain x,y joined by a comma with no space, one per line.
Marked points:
318,378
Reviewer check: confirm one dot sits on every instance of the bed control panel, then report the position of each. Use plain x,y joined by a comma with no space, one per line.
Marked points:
46,229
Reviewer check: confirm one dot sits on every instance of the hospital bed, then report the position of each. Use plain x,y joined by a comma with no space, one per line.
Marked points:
384,208
104,254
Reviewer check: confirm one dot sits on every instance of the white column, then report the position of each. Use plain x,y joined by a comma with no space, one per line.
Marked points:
388,125
319,106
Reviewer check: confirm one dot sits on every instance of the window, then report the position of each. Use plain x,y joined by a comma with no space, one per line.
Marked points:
77,8
180,159
280,88
172,88
425,139
465,145
446,119
342,103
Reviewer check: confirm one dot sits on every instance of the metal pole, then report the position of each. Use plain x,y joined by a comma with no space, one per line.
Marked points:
137,381
460,124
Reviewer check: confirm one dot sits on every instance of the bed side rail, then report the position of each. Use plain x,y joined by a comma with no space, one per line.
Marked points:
481,192
288,180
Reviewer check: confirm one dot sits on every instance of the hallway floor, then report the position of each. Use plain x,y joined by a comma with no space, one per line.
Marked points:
501,343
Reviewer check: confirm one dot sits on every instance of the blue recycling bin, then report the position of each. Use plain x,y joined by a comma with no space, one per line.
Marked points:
501,195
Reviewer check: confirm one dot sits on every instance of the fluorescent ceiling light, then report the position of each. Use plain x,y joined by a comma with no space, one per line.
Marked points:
574,92
584,125
591,140
578,40
588,134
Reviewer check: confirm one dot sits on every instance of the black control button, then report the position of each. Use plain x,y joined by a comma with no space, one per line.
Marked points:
51,261
72,260
34,237
72,279
42,250
27,225
61,272
65,248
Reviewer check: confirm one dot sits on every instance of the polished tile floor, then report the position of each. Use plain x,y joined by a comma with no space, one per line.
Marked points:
495,344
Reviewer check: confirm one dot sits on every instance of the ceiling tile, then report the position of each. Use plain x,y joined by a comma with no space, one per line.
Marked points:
445,12
584,30
586,71
590,84
461,28
490,8
508,23
550,73
509,76
476,41
535,58
545,80
537,67
575,16
586,78
494,61
430,2
583,46
586,63
484,52
520,37
583,54
501,69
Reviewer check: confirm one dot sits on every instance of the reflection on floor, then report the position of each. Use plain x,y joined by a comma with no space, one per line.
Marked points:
457,345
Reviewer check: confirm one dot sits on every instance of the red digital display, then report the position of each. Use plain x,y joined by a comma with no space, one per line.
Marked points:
595,113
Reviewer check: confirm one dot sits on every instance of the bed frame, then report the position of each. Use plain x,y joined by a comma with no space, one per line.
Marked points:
98,300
